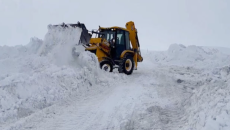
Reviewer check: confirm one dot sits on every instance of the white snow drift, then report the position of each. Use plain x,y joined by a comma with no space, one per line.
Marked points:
192,56
37,75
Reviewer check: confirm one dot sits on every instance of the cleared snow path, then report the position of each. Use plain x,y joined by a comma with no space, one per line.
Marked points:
160,98
147,99
98,112
105,110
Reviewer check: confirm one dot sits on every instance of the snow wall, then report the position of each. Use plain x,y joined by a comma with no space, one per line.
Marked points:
43,72
191,56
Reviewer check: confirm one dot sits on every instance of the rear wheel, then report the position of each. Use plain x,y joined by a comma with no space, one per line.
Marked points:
106,66
126,65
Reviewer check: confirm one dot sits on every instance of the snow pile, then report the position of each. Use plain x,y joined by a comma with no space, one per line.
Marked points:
198,92
210,104
58,44
37,75
193,56
183,98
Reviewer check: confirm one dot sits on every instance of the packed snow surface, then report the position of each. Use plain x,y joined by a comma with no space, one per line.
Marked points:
44,85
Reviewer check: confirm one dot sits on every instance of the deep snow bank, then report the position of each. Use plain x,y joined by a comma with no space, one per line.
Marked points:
204,74
193,56
209,106
44,71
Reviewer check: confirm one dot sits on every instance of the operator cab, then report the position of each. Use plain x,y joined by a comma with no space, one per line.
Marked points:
118,39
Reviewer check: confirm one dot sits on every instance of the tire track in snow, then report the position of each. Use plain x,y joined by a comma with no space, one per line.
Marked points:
115,108
150,100
165,111
104,110
76,115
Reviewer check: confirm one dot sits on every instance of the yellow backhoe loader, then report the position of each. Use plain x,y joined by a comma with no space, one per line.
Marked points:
115,47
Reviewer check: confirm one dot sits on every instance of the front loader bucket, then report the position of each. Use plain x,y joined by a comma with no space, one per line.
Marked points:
85,36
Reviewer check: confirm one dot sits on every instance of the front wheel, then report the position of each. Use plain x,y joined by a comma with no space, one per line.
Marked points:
126,65
106,66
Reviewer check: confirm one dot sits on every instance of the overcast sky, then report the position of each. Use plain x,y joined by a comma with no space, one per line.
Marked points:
159,22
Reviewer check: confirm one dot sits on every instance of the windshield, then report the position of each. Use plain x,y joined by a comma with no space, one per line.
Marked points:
107,34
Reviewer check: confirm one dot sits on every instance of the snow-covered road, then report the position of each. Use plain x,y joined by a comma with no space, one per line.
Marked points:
147,99
104,110
160,98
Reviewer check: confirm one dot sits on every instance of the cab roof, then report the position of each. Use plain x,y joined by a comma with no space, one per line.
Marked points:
114,27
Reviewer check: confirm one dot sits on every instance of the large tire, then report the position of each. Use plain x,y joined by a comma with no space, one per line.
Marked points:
126,65
106,66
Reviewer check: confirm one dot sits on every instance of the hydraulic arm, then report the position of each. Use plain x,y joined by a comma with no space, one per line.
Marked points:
134,41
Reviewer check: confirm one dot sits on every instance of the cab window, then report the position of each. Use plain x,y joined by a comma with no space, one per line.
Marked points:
107,34
120,37
128,47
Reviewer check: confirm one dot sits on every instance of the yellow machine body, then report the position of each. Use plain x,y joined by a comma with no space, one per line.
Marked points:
102,47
